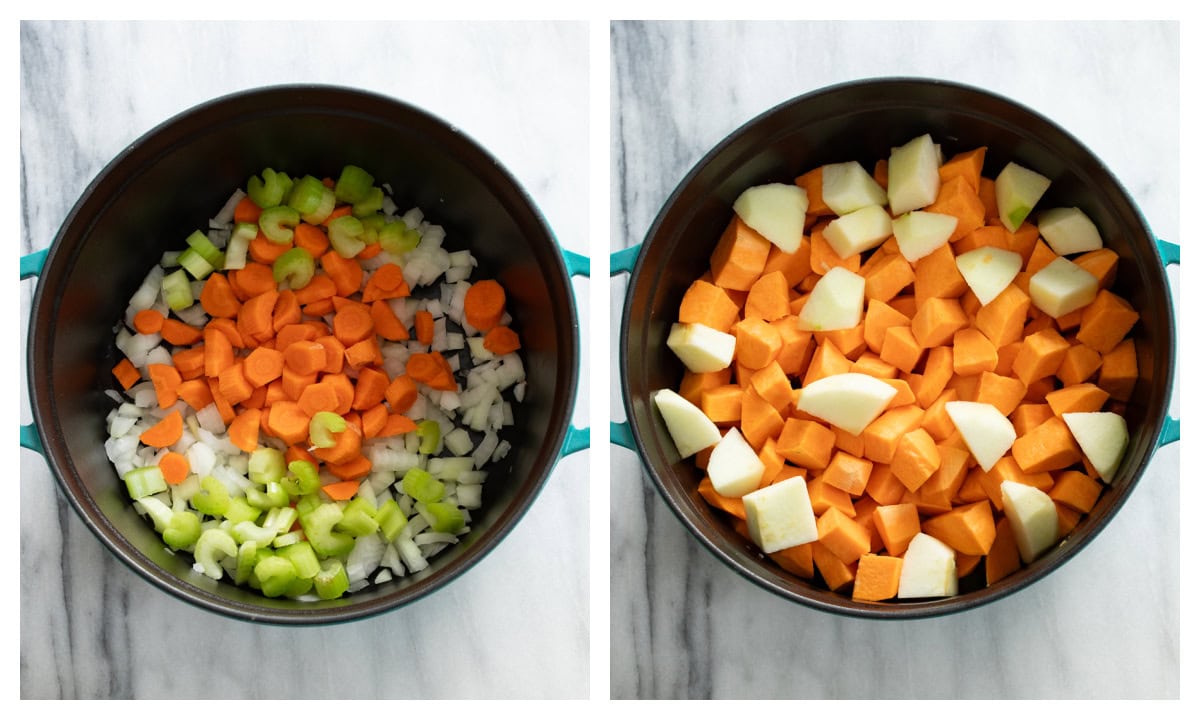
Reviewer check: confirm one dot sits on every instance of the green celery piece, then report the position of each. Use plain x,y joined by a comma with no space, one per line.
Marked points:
306,195
324,208
447,518
353,185
267,465
157,510
371,203
240,510
280,519
268,190
298,587
195,264
391,520
144,481
361,503
308,503
296,266
331,582
420,486
318,528
239,245
273,496
431,436
303,558
213,498
274,575
183,530
307,480
372,224
214,542
277,222
247,558
288,538
199,242
356,522
344,235
246,530
322,426
397,238
177,290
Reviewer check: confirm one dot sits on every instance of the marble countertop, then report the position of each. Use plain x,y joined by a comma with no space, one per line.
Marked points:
517,624
1105,625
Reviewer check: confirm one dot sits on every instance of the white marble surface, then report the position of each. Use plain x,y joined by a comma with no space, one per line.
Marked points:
515,625
1106,625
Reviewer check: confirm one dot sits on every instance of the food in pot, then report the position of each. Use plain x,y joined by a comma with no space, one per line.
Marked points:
312,389
899,377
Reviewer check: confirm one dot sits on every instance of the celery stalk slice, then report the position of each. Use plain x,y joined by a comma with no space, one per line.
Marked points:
277,222
353,185
295,267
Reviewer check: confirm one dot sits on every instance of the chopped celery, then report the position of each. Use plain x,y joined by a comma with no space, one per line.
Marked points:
324,208
288,538
277,222
331,582
372,202
239,245
344,235
144,481
397,238
270,189
447,518
356,522
307,480
267,465
353,184
308,503
157,510
195,264
431,436
274,575
391,519
213,498
199,242
420,486
298,587
240,510
318,528
296,266
214,542
247,558
303,557
362,503
280,519
272,496
322,426
306,195
257,534
372,224
177,290
183,530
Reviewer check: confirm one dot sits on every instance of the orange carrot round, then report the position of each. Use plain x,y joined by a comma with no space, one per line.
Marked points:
501,340
484,305
175,467
243,431
165,432
148,322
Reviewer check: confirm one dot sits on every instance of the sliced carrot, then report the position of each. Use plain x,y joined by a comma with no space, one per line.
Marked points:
218,298
397,425
344,389
286,421
370,390
195,393
347,445
218,351
351,470
318,397
255,318
387,325
267,251
338,212
373,420
126,374
246,211
148,322
175,467
180,333
363,353
243,431
228,328
304,357
262,366
165,432
166,381
311,238
343,490
501,340
224,407
292,333
352,323
484,304
321,287
401,393
346,273
189,362
385,283
233,384
335,353
423,326
286,311
294,382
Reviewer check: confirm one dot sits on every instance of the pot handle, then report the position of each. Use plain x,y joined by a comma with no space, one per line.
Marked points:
623,261
1169,253
31,266
577,438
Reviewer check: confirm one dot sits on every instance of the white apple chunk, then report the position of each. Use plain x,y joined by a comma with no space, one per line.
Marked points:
846,187
701,348
1103,437
1032,516
1068,231
690,428
859,231
988,270
849,401
1018,189
775,211
913,180
1062,286
919,233
780,515
928,570
734,467
986,431
835,303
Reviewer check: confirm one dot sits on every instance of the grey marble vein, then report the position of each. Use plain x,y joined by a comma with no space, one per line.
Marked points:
1106,625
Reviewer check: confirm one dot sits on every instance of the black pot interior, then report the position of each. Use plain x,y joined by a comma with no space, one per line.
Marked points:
862,121
170,183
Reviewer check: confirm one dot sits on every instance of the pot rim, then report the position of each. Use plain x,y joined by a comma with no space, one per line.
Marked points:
281,611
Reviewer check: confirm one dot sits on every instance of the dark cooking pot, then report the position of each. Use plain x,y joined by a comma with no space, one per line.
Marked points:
173,179
862,121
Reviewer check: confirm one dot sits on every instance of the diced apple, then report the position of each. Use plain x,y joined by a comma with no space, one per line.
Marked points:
929,569
1062,286
1018,189
1032,516
1103,437
734,467
776,211
690,428
701,348
846,187
1068,231
913,180
919,233
988,270
835,303
859,231
849,401
780,515
986,431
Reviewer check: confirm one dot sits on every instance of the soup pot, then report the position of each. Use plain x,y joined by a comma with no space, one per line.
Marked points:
175,177
862,121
